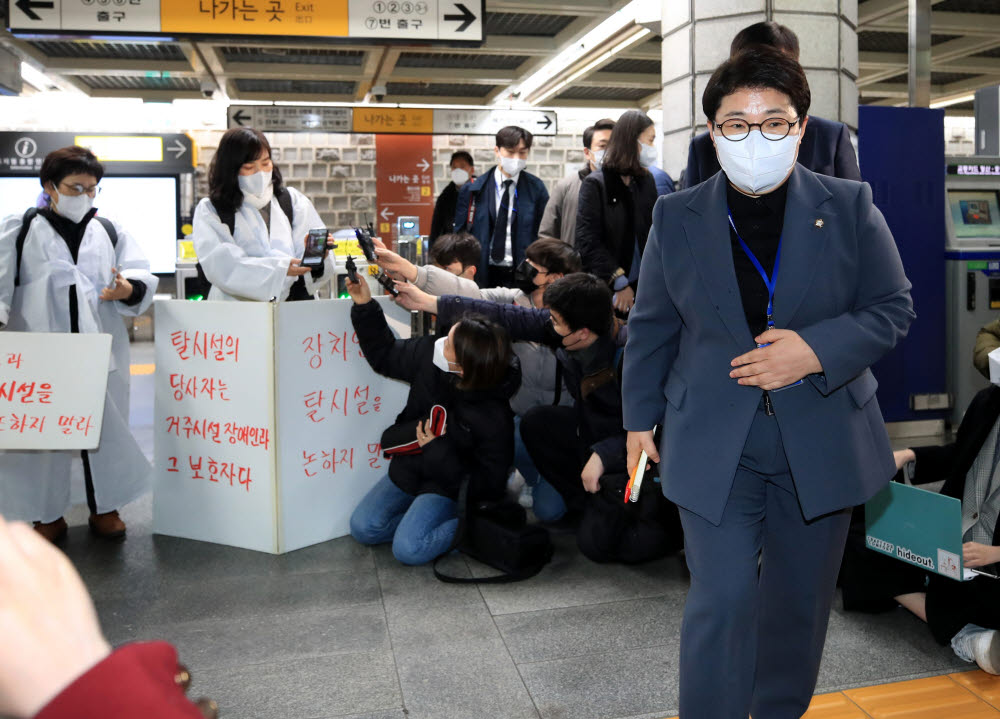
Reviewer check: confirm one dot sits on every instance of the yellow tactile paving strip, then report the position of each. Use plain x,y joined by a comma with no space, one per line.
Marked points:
967,695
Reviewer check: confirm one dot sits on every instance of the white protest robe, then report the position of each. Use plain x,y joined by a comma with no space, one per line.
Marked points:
251,263
35,485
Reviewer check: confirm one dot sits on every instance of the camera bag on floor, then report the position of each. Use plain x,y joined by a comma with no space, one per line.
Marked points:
497,534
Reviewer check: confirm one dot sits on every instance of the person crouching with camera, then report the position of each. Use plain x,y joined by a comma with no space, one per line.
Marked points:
457,424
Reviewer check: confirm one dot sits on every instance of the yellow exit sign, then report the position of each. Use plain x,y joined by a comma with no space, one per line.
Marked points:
256,17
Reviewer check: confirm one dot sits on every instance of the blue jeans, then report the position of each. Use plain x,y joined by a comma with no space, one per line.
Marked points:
420,528
546,503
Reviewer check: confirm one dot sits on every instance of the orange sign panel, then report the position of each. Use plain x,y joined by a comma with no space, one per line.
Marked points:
393,120
256,17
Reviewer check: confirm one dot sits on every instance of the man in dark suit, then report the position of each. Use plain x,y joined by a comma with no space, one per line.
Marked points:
462,171
826,145
503,209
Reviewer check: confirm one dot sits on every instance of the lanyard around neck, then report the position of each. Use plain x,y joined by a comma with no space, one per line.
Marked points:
769,282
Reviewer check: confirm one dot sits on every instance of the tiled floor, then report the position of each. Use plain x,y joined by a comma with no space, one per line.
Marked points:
342,630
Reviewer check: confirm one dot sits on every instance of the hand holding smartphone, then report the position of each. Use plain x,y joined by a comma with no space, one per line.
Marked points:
315,251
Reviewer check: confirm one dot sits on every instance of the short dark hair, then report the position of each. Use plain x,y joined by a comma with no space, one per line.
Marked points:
237,147
461,155
483,349
456,247
581,300
588,134
767,33
509,137
757,67
622,152
554,255
66,161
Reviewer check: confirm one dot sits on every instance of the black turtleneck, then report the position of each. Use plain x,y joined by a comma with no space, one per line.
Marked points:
759,221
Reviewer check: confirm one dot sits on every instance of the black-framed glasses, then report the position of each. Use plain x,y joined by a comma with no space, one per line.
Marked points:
773,128
93,191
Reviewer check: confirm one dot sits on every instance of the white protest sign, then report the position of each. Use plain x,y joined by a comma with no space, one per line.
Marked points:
332,409
52,387
214,441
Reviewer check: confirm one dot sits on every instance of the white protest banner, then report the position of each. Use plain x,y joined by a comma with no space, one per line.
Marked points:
268,421
52,387
332,409
214,444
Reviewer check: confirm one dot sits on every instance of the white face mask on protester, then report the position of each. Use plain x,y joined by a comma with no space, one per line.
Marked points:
757,164
73,208
459,176
597,157
647,155
440,361
257,188
512,165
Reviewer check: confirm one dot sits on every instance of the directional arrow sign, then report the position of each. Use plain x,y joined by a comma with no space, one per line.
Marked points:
177,148
465,17
28,7
239,117
545,122
423,164
385,214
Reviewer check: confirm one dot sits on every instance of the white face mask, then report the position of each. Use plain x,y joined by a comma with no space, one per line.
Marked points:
647,155
73,208
257,188
459,176
440,361
596,158
756,164
512,165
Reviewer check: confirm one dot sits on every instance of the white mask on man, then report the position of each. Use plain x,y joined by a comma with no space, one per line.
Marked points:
596,158
512,165
756,164
459,176
257,188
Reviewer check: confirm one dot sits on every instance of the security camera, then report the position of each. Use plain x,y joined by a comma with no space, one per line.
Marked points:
378,92
207,89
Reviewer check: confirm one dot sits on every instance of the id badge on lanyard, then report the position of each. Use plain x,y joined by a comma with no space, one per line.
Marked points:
770,283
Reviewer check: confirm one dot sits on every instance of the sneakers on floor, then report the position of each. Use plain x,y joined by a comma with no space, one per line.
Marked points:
52,531
973,643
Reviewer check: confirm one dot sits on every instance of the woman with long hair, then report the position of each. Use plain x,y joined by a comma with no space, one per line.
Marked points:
250,231
615,209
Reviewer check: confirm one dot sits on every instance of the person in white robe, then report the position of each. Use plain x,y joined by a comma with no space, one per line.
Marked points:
247,246
75,276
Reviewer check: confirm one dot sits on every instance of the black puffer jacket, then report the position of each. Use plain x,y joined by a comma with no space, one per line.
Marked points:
479,434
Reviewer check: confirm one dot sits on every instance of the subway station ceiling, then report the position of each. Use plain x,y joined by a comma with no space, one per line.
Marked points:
521,36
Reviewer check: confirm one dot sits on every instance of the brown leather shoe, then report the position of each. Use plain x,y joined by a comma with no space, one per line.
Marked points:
108,525
52,531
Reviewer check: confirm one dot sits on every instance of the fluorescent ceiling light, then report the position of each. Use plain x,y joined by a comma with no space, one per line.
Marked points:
953,101
635,11
35,77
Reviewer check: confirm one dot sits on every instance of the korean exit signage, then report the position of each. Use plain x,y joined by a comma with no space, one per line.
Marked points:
446,20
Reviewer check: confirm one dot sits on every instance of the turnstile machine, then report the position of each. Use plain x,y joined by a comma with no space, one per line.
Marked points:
972,265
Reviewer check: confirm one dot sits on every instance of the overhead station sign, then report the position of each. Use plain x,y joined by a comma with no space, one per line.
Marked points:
22,153
446,20
388,120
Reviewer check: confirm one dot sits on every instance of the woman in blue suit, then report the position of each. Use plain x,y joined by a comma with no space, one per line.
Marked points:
764,296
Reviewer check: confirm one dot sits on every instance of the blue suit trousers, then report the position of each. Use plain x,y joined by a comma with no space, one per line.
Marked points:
762,582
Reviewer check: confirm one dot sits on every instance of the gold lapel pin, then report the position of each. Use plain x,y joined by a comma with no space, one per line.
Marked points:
818,223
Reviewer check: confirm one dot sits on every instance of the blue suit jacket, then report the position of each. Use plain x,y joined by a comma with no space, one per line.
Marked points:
826,148
531,200
841,286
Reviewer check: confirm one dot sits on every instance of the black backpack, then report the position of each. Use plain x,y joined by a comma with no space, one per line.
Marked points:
22,234
229,220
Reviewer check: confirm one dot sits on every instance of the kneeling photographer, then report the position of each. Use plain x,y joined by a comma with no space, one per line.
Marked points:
457,424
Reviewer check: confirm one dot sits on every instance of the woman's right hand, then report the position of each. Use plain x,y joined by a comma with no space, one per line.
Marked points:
295,268
903,457
635,444
424,434
414,299
624,299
